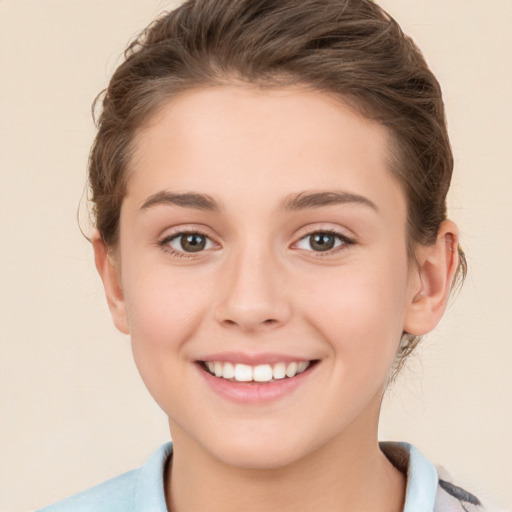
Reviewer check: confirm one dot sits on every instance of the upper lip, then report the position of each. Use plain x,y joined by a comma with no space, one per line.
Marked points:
253,359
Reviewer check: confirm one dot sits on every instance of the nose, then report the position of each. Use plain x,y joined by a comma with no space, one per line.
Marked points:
253,293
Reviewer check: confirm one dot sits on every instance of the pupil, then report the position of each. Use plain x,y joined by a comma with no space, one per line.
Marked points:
193,243
322,242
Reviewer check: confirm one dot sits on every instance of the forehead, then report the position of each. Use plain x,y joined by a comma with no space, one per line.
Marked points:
238,141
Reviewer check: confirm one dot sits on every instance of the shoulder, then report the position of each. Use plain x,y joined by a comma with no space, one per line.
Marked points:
139,490
115,495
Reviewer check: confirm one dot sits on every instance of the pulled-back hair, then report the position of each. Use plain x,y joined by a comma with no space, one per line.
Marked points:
349,48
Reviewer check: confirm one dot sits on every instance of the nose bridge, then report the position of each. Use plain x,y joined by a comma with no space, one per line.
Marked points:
253,295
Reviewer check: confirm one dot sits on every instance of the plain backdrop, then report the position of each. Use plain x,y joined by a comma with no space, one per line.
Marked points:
73,409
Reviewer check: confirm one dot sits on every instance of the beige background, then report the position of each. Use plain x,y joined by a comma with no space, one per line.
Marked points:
73,409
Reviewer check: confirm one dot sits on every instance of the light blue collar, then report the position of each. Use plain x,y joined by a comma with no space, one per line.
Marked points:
149,494
422,478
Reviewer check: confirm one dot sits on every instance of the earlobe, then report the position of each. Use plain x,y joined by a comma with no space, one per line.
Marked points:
432,282
109,272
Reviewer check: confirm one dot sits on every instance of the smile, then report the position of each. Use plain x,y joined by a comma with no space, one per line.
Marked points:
258,373
256,379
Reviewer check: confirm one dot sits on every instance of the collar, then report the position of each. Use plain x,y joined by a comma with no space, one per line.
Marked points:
149,493
422,478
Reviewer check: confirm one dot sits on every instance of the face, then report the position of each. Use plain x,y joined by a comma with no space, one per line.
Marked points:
263,239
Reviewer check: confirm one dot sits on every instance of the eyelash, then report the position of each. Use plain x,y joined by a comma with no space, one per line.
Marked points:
345,242
164,244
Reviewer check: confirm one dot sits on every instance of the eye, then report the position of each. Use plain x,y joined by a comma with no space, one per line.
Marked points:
188,242
322,241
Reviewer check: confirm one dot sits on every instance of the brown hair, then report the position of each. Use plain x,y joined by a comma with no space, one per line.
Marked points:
349,48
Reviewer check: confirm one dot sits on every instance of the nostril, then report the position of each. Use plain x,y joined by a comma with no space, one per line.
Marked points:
269,322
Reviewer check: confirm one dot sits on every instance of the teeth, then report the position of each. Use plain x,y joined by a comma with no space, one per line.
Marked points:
302,366
262,373
243,373
291,369
218,369
279,371
259,373
228,371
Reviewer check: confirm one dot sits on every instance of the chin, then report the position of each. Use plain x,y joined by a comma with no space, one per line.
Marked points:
258,457
261,451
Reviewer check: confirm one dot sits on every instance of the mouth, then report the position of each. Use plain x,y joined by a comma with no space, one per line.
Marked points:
260,374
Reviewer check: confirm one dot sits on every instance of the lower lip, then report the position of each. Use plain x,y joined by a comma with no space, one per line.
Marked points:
255,392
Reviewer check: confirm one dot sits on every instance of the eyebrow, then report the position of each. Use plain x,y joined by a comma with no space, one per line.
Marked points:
295,202
186,200
305,200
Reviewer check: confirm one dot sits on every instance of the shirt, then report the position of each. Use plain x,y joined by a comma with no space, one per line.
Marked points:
142,489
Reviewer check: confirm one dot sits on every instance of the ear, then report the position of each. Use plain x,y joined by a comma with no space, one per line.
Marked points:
110,273
431,280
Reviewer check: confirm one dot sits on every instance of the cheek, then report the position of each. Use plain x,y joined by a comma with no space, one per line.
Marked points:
160,302
164,313
361,311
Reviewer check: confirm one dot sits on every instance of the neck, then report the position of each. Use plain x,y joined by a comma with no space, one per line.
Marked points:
349,474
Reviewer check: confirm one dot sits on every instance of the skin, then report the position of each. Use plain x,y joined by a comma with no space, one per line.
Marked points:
259,286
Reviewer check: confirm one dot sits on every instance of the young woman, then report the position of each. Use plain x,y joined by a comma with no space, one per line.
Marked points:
269,188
